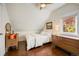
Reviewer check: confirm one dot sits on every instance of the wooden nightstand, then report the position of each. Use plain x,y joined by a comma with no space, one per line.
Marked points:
11,42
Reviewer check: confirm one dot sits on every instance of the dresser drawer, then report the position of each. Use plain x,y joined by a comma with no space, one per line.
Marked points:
69,48
68,44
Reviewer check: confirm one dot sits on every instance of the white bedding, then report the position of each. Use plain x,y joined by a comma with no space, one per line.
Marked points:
41,39
30,41
35,40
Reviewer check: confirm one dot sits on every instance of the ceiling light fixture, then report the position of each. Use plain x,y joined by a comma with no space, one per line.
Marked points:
42,5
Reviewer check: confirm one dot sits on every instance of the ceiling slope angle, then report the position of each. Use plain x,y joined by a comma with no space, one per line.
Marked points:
26,17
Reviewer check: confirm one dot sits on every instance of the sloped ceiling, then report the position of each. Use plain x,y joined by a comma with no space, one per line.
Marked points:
28,17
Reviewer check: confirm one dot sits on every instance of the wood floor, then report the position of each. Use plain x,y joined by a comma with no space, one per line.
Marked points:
45,50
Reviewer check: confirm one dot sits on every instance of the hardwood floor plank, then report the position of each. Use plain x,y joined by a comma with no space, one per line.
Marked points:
45,50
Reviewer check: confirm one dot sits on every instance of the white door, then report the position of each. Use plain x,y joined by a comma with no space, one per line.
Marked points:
2,40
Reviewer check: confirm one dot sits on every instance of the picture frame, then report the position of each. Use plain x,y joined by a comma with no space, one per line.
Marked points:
49,25
69,25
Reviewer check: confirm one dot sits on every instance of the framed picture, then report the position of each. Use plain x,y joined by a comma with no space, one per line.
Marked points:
49,25
69,24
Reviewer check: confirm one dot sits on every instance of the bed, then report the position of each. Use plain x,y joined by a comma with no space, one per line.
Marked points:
35,40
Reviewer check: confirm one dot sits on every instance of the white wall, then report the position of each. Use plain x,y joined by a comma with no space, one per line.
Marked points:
57,16
3,20
28,17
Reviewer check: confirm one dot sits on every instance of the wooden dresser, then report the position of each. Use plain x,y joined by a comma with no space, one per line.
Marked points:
11,42
68,44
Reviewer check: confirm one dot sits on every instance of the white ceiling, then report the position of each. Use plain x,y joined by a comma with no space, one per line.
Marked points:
28,17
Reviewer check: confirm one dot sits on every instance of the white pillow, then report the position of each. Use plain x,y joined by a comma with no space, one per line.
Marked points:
46,32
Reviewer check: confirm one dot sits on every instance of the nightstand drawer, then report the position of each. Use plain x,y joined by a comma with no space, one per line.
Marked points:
11,43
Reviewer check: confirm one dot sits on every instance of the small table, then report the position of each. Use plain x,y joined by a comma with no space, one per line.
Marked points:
10,41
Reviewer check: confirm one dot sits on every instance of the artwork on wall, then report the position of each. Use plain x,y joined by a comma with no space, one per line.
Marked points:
69,24
49,25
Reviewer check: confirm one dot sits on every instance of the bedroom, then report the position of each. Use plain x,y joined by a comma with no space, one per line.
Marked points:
32,27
